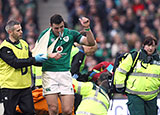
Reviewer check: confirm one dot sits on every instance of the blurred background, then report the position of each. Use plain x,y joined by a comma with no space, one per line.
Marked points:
118,25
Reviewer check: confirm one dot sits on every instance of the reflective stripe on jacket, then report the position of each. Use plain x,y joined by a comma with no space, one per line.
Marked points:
37,73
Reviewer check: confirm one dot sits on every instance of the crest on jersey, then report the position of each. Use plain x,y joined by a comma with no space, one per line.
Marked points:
59,49
66,38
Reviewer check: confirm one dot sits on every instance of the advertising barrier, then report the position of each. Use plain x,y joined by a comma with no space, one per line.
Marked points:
119,107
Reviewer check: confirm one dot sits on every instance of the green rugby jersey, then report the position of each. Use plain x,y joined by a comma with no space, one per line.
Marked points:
63,45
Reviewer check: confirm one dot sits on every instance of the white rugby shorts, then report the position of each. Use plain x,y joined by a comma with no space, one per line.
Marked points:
57,82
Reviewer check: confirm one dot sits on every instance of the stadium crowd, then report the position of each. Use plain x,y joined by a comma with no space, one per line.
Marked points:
119,25
24,11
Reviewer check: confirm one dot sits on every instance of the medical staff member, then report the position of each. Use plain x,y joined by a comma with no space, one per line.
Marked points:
142,86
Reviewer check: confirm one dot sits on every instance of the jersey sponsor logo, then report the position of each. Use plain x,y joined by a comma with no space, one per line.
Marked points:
59,49
66,38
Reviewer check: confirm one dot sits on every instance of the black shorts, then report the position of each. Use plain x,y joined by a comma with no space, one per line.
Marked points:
13,97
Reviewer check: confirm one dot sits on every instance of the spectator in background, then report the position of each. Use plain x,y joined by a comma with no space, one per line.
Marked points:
131,39
130,21
117,42
138,7
144,13
31,41
15,14
102,53
19,10
2,23
137,45
2,35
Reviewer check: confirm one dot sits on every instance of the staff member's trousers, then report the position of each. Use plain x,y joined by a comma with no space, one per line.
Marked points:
22,97
138,106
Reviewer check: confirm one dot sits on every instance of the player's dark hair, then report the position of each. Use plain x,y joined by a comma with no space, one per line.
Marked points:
56,19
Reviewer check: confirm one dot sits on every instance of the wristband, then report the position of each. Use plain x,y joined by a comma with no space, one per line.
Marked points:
88,29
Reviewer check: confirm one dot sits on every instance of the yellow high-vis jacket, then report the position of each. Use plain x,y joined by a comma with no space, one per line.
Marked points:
95,100
144,81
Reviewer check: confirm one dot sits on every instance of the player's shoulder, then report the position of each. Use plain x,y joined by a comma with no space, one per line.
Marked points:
70,31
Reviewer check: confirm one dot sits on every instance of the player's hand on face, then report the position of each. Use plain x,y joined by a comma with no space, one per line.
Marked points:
56,55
